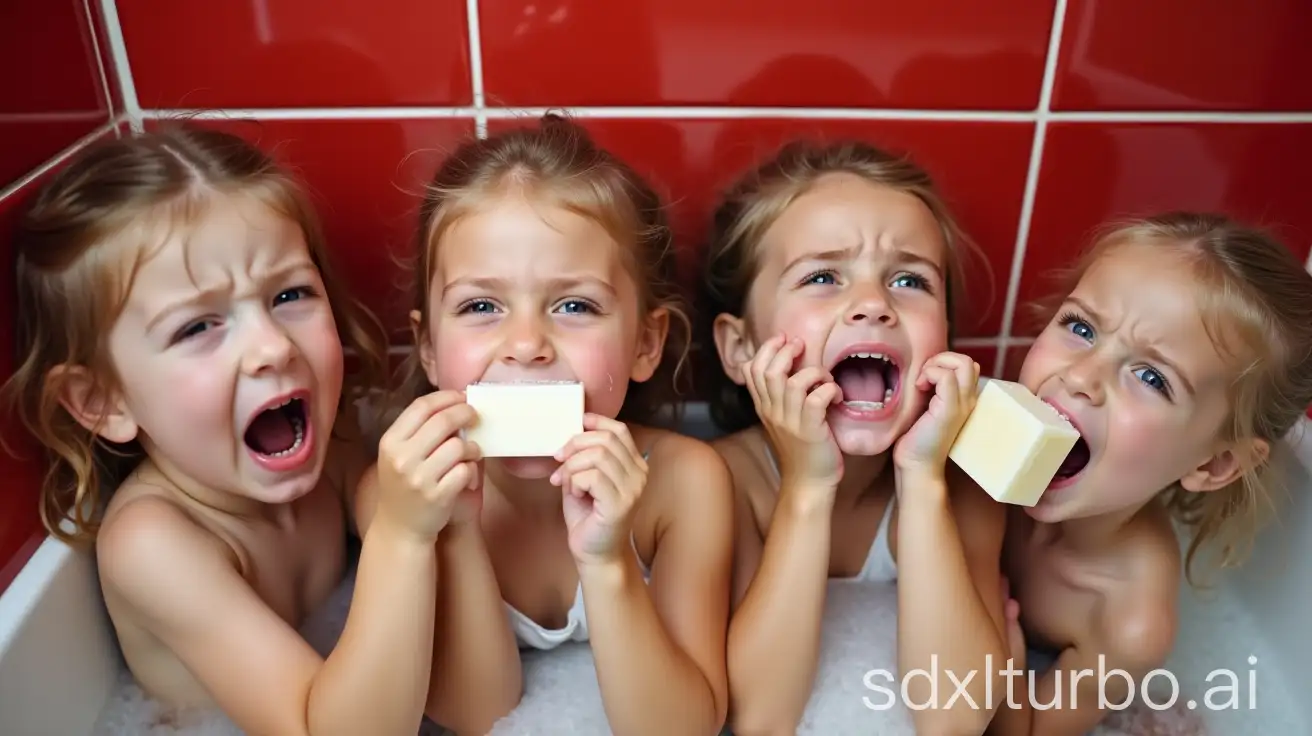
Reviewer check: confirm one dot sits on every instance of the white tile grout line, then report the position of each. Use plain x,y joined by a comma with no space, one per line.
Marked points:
728,113
60,157
475,39
1031,184
119,50
100,61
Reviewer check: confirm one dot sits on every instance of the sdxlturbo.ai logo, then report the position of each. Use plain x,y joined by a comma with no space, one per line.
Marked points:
1225,695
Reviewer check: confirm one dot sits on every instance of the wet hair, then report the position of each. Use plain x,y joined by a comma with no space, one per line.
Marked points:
114,201
756,201
557,161
1255,301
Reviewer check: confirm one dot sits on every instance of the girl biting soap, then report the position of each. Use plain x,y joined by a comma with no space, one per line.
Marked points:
1181,350
543,258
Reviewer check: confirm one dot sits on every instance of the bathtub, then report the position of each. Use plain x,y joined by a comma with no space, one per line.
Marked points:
59,663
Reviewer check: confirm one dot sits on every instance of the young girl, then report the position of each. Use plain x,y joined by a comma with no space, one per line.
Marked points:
542,257
180,348
1180,384
831,272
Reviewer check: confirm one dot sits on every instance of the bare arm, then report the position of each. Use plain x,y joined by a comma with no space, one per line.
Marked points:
948,618
477,677
774,636
184,584
660,649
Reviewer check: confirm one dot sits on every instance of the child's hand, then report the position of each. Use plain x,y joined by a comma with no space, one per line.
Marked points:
1015,635
923,450
602,475
793,408
424,466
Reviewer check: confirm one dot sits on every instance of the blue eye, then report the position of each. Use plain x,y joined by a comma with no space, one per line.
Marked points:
292,295
578,306
1077,326
476,306
823,278
1154,380
910,281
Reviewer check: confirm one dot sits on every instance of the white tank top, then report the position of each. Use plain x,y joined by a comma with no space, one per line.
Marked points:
879,566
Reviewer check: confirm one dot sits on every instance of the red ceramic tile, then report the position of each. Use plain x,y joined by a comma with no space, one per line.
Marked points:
20,459
297,53
51,94
366,177
985,355
980,166
1093,173
1015,359
877,53
1185,54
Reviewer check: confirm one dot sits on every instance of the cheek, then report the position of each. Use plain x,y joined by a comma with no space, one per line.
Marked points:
460,357
810,321
603,368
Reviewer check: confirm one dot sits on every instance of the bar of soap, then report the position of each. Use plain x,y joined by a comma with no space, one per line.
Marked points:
1013,443
530,419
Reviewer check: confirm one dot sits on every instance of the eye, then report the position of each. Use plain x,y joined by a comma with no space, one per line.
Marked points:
910,280
1072,322
292,295
578,306
477,306
192,329
823,277
1154,380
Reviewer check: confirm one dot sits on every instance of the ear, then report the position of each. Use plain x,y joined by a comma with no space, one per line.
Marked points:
651,344
100,411
734,346
424,344
1227,466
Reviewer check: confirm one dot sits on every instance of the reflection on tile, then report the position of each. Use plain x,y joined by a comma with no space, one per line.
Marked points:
43,113
878,53
980,167
1185,55
1096,172
297,53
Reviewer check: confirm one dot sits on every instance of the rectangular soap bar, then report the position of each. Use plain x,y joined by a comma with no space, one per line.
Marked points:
524,419
1013,443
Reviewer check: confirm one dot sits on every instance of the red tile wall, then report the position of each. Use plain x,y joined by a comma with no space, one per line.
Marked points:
1039,118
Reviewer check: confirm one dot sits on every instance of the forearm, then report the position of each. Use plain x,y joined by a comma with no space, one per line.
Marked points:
943,624
648,684
477,678
376,678
774,636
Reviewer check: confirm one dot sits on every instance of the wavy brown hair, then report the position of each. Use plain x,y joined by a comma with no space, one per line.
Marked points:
558,160
71,286
1255,301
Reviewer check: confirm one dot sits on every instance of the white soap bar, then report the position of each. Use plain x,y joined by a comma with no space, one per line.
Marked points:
524,419
1013,443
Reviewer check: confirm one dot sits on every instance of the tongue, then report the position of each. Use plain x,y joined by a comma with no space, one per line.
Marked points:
271,432
860,380
1075,460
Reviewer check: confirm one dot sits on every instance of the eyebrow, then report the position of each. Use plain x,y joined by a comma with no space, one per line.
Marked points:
1152,352
556,284
902,256
207,294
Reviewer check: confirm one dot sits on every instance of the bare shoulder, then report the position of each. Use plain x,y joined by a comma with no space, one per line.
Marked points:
682,468
745,455
1138,621
149,543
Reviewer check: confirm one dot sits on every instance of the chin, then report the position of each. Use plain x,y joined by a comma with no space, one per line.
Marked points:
869,440
529,468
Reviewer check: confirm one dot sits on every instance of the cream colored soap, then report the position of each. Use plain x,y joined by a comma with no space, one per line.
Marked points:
524,419
1013,443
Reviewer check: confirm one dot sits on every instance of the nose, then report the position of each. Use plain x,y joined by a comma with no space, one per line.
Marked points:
870,305
527,341
1085,377
268,347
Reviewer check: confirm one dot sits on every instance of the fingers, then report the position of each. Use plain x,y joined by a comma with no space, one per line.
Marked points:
418,413
597,424
442,464
797,391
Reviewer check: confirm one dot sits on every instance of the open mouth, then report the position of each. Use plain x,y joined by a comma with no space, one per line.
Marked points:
1075,461
279,431
869,380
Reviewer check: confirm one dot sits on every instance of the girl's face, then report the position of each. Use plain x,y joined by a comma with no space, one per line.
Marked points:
533,292
1129,361
856,271
228,356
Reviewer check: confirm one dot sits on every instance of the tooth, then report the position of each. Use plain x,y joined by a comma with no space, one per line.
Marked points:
888,394
879,356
